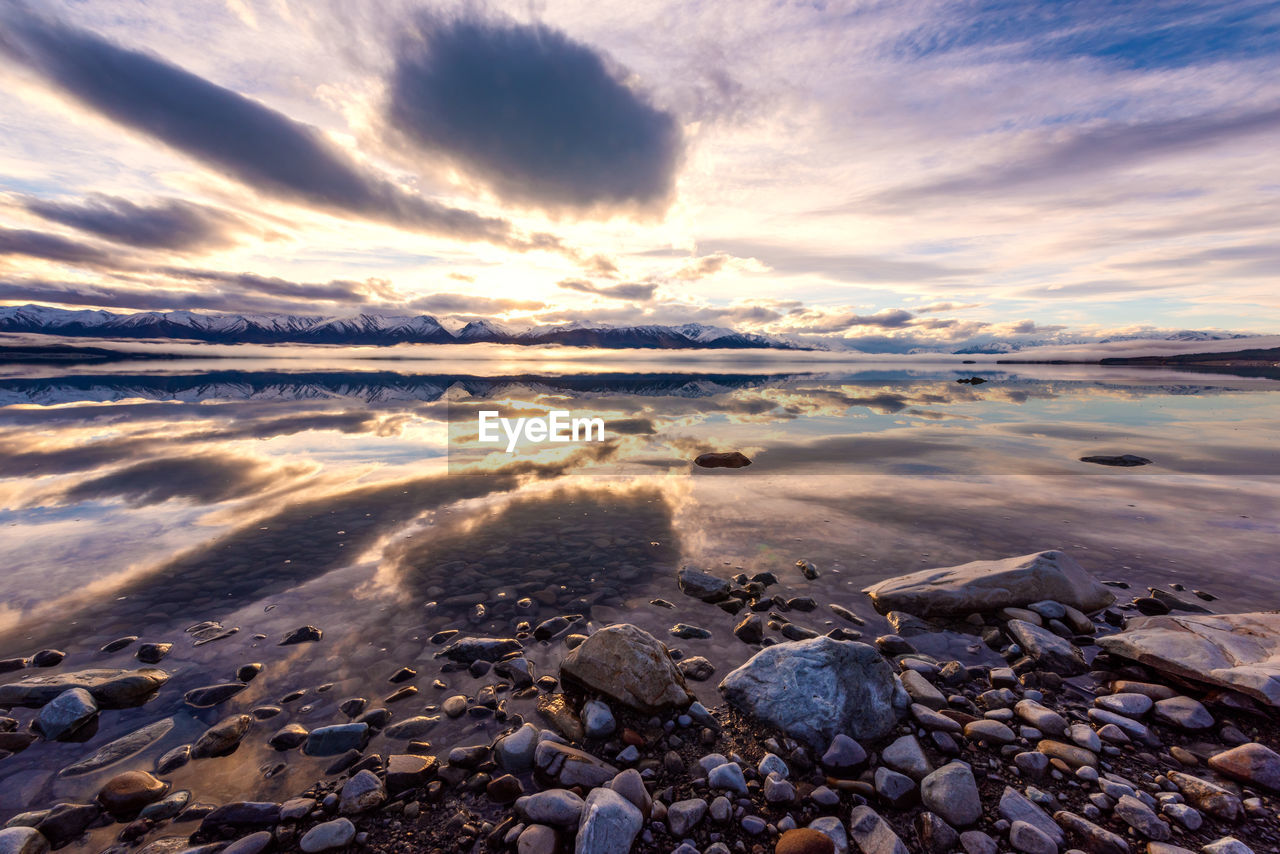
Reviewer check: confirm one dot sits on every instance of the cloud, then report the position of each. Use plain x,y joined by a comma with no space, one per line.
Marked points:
235,135
840,266
469,304
638,291
889,318
202,479
166,224
236,297
1094,149
538,117
53,247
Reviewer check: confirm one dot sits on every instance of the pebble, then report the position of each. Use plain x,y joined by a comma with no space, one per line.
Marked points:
952,793
1183,712
329,835
804,840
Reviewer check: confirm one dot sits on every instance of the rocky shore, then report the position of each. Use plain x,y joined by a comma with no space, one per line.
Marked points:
1109,728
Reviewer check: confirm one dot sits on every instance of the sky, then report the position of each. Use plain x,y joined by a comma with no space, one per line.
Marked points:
880,175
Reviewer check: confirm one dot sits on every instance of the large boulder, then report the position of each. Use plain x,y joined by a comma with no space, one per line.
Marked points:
627,664
816,689
1236,651
989,585
110,688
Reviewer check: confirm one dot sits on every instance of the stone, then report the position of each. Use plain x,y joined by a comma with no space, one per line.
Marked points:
567,766
467,650
514,751
952,793
212,695
1047,650
1084,736
934,835
696,668
896,790
1183,712
240,814
1041,717
722,460
1014,806
65,715
1208,797
631,786
167,807
1092,838
629,665
1186,816
288,737
337,739
362,792
872,833
831,827
597,720
1033,764
65,822
1068,753
22,840
1141,818
904,754
302,634
977,842
222,738
804,840
727,777
750,629
1236,651
1030,839
1129,705
406,771
1227,845
684,816
412,728
537,839
124,795
814,689
610,823
843,755
702,585
172,760
111,689
338,833
989,731
1252,763
558,807
988,585
922,691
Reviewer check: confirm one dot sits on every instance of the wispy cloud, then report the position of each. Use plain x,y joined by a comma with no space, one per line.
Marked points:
638,291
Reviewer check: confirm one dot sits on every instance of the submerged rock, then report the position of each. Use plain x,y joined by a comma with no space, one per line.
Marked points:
1236,651
467,650
110,688
988,585
814,689
122,748
627,664
222,738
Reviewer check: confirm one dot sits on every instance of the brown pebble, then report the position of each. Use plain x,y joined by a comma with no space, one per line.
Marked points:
804,840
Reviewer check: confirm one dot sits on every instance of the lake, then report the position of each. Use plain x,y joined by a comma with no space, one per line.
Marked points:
181,501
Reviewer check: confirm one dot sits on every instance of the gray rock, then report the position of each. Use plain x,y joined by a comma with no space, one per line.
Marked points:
1186,816
1236,651
122,748
167,807
816,688
1130,705
702,585
977,842
1141,818
1032,764
1014,806
65,714
684,816
514,751
727,777
558,807
872,833
537,839
1227,845
630,785
1041,717
1208,797
1251,763
411,728
222,738
254,843
111,688
597,720
1030,839
952,793
362,792
696,668
989,731
896,790
988,585
212,695
338,833
922,691
629,665
468,650
844,755
22,840
905,754
1083,735
833,829
567,766
1183,712
609,825
1094,839
1047,650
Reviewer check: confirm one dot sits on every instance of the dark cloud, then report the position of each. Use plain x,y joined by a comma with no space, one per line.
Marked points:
53,247
298,298
1094,150
538,117
889,318
203,479
638,291
843,267
338,290
237,136
468,304
166,224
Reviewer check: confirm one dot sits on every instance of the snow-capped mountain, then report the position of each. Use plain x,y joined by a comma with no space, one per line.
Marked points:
1015,345
364,329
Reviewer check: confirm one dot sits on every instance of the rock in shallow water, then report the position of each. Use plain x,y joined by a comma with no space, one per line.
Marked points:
988,585
22,840
814,689
111,689
629,665
121,748
66,714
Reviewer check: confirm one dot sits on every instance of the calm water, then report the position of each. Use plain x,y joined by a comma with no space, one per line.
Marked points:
145,500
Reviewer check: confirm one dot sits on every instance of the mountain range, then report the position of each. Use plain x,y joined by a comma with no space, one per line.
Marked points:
366,329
